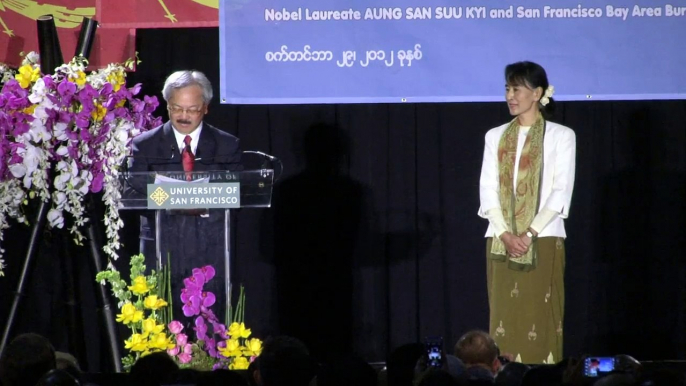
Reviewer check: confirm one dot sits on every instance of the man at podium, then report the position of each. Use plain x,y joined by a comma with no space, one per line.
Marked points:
186,144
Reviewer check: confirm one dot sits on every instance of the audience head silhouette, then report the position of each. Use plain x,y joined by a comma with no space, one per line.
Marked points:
154,369
221,377
285,361
347,370
58,377
26,359
478,349
438,378
511,374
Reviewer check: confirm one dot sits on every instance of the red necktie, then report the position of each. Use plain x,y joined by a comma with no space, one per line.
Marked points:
187,158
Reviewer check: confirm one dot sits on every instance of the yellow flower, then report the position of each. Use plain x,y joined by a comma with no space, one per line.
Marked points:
240,363
29,110
27,75
161,342
253,347
136,343
117,79
98,114
140,286
129,314
121,103
238,331
153,303
232,349
150,326
80,78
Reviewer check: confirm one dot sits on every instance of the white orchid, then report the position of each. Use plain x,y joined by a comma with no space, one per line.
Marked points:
55,218
39,132
60,131
18,170
59,198
38,91
30,58
6,73
32,157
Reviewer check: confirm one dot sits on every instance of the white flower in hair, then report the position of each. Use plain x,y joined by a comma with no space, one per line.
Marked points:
549,91
547,95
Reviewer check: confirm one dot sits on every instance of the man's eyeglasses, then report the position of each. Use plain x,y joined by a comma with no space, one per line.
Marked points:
179,111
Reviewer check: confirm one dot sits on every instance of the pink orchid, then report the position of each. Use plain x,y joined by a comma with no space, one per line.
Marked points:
207,272
195,282
186,294
200,328
207,299
212,348
192,306
218,328
208,314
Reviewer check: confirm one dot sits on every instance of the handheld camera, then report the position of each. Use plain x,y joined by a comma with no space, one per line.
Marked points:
598,366
434,351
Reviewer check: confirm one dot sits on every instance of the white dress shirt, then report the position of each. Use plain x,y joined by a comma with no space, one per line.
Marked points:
195,136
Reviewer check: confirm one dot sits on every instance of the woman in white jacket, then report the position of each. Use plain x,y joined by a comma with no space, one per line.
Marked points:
527,178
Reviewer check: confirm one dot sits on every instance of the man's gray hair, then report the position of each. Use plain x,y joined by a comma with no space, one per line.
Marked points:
181,79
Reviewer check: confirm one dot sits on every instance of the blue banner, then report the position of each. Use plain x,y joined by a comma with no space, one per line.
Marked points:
352,51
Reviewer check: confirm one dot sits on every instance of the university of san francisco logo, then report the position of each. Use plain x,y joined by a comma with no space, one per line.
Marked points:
159,196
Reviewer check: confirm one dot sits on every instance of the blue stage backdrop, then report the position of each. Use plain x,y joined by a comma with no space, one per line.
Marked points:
353,51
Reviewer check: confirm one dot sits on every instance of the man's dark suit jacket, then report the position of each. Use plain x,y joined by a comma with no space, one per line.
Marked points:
157,150
220,149
192,241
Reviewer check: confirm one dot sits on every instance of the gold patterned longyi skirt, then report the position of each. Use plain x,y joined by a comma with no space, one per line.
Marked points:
527,308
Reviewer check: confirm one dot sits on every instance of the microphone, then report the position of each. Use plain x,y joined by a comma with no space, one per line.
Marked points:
217,159
265,155
207,160
268,163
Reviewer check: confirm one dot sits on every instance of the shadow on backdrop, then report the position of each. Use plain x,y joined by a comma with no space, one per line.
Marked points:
317,216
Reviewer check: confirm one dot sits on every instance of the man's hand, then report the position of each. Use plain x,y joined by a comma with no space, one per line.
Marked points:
515,245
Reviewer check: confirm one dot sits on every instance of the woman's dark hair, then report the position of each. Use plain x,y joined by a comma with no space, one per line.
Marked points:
531,75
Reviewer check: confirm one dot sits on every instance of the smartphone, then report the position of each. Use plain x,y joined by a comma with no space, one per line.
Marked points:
598,366
434,351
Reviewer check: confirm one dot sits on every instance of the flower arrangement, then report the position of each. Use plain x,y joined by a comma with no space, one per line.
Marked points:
145,312
141,305
65,135
216,348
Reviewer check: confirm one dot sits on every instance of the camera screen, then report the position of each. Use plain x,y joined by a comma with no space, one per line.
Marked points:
598,366
434,356
434,349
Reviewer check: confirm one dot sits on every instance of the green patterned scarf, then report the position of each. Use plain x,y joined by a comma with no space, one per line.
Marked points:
520,207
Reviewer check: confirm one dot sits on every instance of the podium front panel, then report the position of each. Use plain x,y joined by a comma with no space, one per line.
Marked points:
137,189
